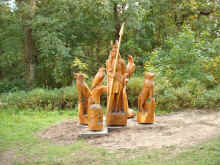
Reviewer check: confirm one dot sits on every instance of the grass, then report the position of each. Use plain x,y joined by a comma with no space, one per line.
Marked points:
17,134
18,126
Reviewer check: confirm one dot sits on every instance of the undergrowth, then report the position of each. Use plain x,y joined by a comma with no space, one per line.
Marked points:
190,94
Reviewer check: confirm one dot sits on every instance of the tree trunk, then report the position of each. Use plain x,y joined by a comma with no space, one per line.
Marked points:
158,35
29,56
117,22
1,74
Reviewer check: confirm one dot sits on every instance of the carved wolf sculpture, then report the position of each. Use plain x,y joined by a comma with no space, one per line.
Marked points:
145,106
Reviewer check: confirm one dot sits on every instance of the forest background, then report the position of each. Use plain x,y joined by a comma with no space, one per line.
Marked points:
43,42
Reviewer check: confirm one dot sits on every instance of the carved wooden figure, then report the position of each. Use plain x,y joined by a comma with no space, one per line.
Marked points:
116,98
84,94
130,70
130,66
96,94
97,89
146,101
130,112
98,78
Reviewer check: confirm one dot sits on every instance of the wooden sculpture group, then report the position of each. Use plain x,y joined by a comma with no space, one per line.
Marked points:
89,110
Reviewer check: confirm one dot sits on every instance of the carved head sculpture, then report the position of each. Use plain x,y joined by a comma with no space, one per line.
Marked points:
149,76
79,76
115,45
130,58
102,69
114,48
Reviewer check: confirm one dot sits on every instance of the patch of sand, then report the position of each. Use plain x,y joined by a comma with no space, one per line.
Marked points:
178,129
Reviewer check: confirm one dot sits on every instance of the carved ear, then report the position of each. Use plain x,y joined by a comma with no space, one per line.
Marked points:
149,75
111,42
102,69
153,75
75,75
81,76
146,74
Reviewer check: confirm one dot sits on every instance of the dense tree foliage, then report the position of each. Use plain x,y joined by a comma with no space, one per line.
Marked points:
43,42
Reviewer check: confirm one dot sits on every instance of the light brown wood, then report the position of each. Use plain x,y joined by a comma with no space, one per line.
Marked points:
87,97
97,89
131,113
83,98
117,78
146,101
95,117
96,94
116,119
130,66
116,91
147,116
98,78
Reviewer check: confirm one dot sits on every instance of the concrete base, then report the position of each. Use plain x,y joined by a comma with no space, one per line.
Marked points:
86,133
112,128
82,125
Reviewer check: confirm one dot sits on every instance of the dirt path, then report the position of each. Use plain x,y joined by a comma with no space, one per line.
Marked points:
179,129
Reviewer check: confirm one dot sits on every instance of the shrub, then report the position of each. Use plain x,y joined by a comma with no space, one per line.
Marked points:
11,86
134,87
184,57
190,94
64,98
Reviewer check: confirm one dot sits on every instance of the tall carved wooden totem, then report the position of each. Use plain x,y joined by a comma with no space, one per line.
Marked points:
117,78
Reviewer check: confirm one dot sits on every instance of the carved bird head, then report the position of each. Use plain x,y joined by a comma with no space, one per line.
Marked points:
130,58
101,69
149,75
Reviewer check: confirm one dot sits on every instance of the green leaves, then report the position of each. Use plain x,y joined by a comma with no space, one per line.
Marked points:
64,31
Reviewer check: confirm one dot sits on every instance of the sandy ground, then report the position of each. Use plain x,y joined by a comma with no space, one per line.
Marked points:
178,129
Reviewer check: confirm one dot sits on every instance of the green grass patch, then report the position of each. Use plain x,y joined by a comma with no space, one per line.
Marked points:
17,133
18,126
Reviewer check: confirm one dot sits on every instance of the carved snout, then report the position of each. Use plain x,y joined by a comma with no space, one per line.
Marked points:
149,75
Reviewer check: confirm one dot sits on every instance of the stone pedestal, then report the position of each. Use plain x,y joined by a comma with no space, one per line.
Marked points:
85,133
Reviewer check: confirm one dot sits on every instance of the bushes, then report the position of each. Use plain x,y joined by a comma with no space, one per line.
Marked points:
185,57
11,86
134,87
191,94
64,98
